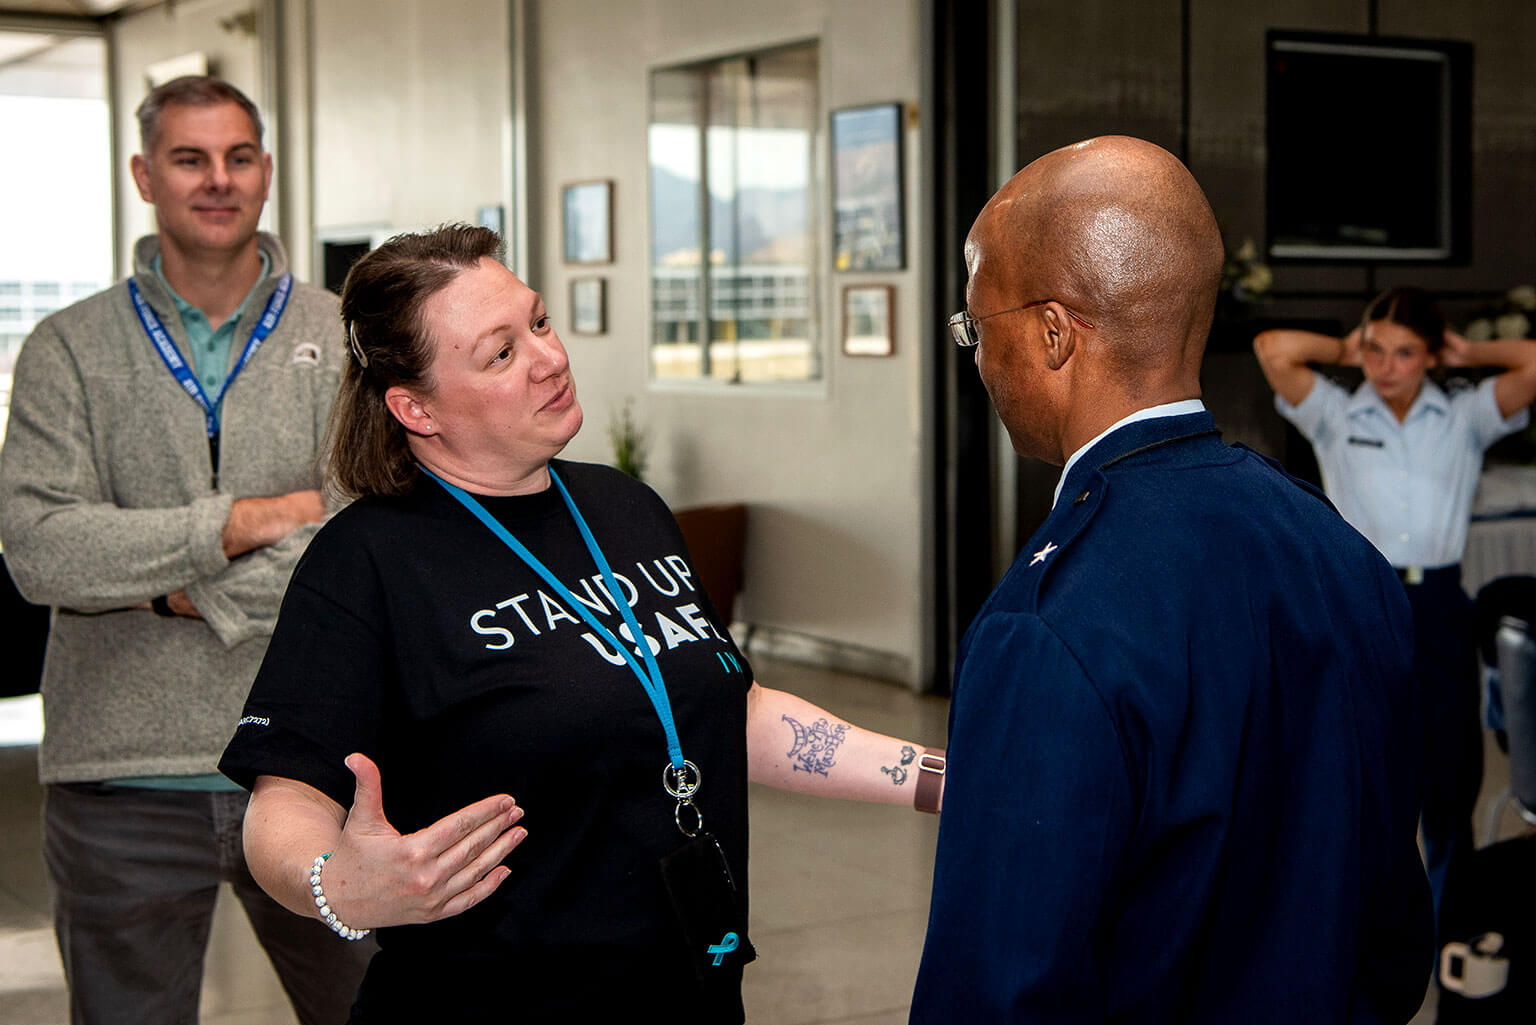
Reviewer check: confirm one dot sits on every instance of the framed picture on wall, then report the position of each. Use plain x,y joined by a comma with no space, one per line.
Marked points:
587,217
869,320
589,301
868,231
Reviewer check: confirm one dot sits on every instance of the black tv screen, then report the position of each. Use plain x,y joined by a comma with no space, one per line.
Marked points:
1368,148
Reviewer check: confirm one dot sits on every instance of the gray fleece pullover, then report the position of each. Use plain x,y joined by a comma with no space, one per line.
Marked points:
106,501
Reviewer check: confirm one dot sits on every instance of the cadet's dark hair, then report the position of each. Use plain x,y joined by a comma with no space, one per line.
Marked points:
189,91
1413,309
382,306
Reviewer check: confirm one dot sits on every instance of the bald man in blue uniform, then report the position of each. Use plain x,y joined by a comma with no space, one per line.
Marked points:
1183,777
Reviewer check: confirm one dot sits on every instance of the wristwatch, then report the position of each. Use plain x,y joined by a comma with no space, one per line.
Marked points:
162,607
930,780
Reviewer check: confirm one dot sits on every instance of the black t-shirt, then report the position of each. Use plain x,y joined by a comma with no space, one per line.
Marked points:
412,634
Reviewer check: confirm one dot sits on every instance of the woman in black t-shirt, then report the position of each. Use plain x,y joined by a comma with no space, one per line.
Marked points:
489,620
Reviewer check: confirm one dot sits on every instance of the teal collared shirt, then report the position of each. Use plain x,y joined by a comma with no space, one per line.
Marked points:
209,348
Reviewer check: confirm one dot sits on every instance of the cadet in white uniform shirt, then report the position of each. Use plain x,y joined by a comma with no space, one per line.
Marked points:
1400,458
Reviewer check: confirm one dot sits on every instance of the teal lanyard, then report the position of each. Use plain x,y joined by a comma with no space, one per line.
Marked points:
675,777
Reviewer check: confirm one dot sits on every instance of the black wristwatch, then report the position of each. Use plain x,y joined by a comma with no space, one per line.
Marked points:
162,607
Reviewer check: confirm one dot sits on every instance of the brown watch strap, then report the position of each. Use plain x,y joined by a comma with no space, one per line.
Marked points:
930,780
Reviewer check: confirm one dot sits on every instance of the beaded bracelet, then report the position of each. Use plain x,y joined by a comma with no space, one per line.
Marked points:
344,931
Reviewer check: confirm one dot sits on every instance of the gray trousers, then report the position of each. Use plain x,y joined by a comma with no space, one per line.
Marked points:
135,873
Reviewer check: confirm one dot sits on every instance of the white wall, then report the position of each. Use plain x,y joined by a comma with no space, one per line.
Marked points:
411,104
833,475
410,112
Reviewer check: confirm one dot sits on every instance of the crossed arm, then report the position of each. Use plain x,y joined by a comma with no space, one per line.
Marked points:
254,523
378,877
70,544
99,557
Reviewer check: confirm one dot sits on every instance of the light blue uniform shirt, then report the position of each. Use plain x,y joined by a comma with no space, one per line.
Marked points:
1406,486
210,361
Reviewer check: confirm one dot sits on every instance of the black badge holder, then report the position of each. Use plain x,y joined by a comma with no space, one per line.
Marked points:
704,896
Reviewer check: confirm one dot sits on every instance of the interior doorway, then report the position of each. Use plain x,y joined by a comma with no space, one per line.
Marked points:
964,506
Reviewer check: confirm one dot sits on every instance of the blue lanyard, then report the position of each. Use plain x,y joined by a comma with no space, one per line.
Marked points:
650,675
172,358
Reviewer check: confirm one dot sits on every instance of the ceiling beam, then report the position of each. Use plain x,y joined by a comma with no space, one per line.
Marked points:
14,20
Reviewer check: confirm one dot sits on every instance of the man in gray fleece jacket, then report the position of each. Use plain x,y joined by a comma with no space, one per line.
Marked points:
160,477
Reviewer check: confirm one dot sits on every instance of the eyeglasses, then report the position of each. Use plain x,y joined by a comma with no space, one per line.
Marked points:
962,326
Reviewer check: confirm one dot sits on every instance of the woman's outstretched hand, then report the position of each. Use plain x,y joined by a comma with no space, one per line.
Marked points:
377,877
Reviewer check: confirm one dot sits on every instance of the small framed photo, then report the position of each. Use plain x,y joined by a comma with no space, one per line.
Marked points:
869,320
589,301
587,217
868,228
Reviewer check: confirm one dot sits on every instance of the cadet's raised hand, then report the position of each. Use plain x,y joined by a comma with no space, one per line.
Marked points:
1454,353
1349,349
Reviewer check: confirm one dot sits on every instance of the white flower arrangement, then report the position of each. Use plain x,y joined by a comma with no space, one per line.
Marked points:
1245,279
1512,325
1511,320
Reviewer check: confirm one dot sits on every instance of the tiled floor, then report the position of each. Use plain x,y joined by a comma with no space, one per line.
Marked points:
839,890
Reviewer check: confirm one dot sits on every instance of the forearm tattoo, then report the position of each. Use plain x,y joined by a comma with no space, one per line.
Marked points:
815,748
898,772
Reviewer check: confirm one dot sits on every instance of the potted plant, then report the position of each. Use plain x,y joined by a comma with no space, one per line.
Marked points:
716,535
630,445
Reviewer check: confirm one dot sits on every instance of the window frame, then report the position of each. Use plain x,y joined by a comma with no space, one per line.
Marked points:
817,208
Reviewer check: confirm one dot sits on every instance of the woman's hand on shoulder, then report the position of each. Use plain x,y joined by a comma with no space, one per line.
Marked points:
378,877
1349,349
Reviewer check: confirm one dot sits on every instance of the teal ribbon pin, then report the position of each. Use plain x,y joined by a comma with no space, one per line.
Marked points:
729,942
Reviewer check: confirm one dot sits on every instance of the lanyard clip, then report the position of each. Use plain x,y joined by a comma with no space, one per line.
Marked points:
682,783
677,781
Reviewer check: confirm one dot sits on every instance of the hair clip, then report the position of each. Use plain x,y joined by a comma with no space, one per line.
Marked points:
357,350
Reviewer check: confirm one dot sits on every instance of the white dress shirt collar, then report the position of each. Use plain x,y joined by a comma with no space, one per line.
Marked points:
1181,408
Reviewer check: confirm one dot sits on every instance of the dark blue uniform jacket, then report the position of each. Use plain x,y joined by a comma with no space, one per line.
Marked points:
1183,760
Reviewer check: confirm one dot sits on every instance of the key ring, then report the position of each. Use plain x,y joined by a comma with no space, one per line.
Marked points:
698,818
677,783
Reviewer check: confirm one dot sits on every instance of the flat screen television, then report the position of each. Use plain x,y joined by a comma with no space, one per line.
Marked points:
1369,148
